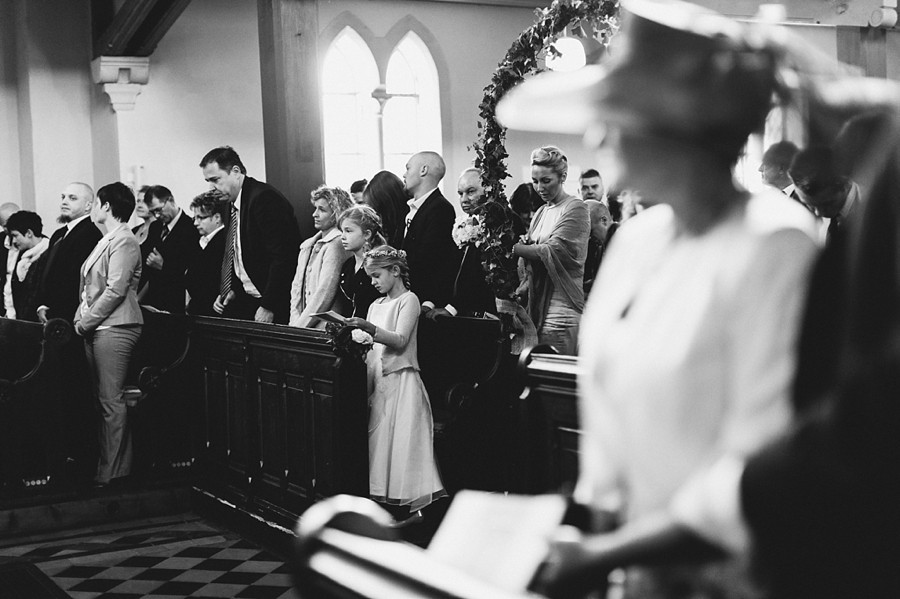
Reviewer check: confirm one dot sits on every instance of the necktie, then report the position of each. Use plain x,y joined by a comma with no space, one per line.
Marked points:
833,228
228,261
164,233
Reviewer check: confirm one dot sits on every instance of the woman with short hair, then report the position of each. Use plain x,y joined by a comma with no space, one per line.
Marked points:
316,282
555,249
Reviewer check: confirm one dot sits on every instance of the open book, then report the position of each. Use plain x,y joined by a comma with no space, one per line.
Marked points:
500,539
330,316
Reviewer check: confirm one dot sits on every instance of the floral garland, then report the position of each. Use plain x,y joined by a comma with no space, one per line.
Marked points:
490,229
522,59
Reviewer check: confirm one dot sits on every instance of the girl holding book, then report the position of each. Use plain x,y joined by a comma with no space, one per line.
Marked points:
403,473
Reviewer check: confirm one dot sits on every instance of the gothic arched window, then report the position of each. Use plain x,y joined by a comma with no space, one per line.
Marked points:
349,113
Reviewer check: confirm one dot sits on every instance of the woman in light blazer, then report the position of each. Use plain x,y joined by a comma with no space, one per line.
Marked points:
109,319
318,277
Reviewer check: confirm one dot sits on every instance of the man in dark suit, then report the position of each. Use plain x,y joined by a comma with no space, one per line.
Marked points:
6,210
430,251
70,245
261,245
175,241
471,295
211,210
59,297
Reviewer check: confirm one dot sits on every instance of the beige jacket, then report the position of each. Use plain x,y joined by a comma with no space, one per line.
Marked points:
109,280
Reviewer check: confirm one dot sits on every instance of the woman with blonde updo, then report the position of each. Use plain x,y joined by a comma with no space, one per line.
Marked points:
315,286
555,248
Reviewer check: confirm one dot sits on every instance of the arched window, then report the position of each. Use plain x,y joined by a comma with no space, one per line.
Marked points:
349,113
412,109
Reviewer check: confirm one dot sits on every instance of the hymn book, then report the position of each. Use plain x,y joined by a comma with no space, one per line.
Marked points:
500,539
330,316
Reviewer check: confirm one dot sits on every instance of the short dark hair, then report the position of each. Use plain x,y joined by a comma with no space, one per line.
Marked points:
814,169
358,186
225,157
120,199
590,173
780,154
23,221
159,192
213,202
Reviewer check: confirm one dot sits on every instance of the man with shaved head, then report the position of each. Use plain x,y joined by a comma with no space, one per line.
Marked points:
602,229
430,251
6,210
58,297
70,245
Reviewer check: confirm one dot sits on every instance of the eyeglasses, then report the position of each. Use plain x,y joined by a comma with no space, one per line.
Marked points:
199,217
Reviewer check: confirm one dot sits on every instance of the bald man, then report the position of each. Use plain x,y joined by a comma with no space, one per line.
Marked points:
58,297
602,229
432,255
6,210
70,245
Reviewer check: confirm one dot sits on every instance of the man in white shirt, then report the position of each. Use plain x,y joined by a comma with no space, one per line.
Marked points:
430,251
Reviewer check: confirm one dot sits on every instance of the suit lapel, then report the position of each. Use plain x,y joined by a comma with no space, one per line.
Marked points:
98,251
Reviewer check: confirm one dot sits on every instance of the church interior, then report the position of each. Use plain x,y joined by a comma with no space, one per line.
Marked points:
252,440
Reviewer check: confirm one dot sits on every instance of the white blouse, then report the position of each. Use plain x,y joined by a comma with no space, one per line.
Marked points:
688,349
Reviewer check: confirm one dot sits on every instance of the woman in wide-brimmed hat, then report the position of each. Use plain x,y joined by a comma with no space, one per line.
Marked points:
688,339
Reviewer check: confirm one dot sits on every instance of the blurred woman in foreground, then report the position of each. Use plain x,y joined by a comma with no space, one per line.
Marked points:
688,341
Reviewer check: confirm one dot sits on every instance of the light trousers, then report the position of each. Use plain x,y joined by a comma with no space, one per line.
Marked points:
109,353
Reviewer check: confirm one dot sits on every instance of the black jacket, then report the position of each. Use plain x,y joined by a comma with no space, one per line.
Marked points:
432,255
167,286
58,288
204,276
270,243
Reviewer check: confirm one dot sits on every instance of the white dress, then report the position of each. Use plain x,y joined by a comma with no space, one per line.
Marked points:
688,352
402,468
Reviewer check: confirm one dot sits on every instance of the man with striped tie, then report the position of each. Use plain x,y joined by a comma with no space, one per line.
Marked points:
261,245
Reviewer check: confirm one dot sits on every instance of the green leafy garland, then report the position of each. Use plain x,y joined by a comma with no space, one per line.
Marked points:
522,59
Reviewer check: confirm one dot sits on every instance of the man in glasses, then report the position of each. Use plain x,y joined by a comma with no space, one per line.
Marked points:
211,211
175,243
823,186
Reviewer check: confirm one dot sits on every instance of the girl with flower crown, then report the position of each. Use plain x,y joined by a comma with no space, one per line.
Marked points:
360,230
402,470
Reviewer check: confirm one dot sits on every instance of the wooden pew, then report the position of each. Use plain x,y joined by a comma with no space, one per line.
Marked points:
283,420
548,429
344,549
30,399
465,367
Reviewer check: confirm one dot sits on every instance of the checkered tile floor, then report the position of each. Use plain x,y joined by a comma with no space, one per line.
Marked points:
188,559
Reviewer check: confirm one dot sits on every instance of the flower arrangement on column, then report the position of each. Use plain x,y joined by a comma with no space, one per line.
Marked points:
493,219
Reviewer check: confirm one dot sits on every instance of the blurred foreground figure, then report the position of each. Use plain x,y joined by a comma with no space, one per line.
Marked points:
689,349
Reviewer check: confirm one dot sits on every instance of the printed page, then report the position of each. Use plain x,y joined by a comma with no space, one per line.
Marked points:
500,539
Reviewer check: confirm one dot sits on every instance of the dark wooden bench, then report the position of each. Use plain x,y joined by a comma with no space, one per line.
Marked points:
548,430
283,421
31,390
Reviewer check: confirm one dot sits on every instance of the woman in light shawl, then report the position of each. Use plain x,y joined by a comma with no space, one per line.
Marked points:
556,248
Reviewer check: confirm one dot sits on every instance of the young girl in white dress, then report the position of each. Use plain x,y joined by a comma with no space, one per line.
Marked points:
402,469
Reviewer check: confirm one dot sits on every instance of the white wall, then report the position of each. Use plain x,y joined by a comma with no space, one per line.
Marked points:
204,91
53,98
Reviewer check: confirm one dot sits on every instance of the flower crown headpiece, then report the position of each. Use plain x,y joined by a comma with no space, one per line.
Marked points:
386,253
